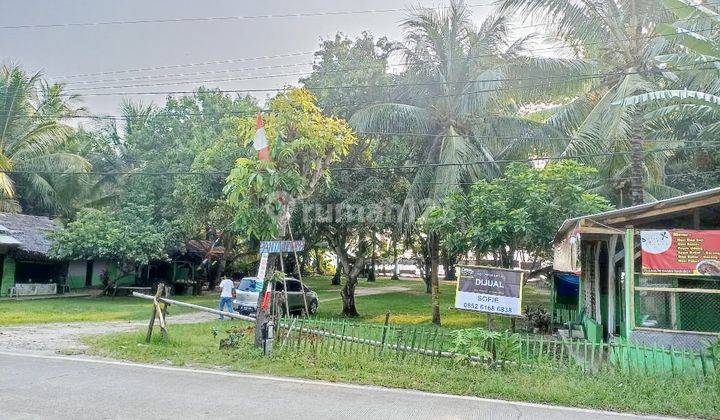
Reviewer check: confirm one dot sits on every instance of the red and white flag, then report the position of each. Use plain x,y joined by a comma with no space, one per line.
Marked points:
260,141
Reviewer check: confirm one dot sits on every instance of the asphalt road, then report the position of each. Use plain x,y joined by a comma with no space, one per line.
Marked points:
41,386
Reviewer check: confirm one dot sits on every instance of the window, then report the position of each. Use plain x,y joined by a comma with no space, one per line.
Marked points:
293,286
249,285
678,303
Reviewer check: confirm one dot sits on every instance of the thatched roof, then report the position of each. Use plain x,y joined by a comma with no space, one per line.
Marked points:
30,231
200,248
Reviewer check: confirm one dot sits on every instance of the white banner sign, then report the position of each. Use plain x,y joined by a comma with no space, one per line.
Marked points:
490,290
263,267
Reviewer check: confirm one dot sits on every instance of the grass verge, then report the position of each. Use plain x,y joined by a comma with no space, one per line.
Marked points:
411,306
195,345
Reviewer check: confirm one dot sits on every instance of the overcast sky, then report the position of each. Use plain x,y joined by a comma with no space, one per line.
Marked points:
62,52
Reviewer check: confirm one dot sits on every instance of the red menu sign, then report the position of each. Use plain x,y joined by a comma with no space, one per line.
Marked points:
681,252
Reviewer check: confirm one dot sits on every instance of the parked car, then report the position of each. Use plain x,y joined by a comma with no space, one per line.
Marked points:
248,291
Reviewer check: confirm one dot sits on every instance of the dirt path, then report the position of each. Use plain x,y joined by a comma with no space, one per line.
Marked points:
64,337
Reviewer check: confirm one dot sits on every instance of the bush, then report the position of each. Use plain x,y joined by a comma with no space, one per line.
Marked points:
490,346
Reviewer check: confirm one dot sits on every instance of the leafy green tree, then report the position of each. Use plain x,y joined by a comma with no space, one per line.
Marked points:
455,98
32,140
620,41
344,62
303,144
129,235
687,108
342,220
520,211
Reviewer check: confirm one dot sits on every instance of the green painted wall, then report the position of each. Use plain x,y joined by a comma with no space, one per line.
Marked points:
116,274
76,282
644,359
8,278
593,330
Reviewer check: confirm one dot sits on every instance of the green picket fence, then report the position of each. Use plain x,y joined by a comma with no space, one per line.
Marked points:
425,343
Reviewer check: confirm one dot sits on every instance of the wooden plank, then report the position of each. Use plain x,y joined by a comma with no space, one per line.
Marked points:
612,244
598,230
629,282
665,330
596,283
676,289
661,210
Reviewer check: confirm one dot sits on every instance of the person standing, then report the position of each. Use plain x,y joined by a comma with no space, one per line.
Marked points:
227,292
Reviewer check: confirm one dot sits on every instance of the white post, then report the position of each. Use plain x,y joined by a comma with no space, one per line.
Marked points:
612,244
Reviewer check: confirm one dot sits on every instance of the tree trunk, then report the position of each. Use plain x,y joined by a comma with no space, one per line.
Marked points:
348,297
435,282
449,265
318,262
636,162
338,273
396,266
222,263
427,269
302,256
636,173
371,272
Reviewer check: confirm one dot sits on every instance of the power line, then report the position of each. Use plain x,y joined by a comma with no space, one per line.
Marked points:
198,73
566,79
306,53
198,64
300,74
214,18
350,168
285,55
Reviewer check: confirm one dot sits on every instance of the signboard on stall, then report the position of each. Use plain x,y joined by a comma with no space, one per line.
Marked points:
680,252
489,290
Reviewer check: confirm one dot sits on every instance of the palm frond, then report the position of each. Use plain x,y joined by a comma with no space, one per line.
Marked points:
393,118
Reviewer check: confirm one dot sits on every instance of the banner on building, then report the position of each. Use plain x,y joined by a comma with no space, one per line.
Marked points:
680,252
566,256
489,290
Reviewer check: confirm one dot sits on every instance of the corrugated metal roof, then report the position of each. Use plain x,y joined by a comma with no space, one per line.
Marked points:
8,240
629,211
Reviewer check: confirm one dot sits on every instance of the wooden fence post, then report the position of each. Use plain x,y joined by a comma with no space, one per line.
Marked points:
155,313
384,332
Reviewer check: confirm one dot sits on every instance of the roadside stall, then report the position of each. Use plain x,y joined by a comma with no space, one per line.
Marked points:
647,275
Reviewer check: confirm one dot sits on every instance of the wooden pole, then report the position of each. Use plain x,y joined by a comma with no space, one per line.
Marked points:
596,282
299,273
285,295
155,311
193,306
629,281
612,244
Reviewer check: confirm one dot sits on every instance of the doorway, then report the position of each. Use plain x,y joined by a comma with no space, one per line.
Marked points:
88,273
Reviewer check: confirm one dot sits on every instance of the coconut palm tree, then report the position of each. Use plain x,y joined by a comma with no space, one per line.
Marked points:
620,40
32,139
689,106
458,103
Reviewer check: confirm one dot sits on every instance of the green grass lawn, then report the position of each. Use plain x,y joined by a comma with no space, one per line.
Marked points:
409,307
89,309
413,306
195,345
